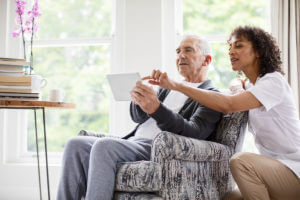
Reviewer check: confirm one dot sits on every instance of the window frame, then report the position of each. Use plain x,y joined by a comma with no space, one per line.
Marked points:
222,38
21,155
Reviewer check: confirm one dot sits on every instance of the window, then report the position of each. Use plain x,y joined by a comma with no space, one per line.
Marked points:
73,53
215,19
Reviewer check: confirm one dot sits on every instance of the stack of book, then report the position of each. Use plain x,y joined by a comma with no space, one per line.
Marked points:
14,84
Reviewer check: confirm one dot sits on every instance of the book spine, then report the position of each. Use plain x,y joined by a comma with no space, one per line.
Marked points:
15,83
22,63
11,68
12,59
17,90
15,79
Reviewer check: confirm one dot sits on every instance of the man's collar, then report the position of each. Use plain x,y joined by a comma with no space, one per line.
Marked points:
205,84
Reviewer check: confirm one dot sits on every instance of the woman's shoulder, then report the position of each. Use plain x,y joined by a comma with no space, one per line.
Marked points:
273,77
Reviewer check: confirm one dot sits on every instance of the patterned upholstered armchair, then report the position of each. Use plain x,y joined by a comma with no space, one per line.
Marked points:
183,168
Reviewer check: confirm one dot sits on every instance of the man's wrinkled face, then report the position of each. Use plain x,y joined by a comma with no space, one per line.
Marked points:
189,57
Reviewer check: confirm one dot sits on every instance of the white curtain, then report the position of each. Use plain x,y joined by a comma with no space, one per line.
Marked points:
285,19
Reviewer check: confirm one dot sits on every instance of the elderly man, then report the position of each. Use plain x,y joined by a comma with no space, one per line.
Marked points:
89,163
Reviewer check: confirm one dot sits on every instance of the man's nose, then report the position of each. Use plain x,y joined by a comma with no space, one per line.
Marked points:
181,55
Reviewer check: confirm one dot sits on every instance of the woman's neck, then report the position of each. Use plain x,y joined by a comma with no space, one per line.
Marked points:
252,73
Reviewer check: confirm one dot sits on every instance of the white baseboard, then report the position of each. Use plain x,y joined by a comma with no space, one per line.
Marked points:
24,193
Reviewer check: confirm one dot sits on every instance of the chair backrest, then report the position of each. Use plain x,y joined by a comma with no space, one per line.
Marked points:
231,130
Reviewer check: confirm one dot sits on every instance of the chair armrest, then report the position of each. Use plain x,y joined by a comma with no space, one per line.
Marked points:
139,176
94,134
167,145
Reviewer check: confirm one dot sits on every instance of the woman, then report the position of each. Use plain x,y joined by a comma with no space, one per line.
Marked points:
273,117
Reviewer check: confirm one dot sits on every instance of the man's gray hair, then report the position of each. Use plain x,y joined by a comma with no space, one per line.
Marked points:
203,44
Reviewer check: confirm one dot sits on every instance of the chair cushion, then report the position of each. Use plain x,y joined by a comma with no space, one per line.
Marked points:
135,196
140,176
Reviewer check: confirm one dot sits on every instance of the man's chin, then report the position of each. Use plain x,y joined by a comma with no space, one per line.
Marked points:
183,68
182,73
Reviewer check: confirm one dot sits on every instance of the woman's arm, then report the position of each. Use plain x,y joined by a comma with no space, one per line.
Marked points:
216,101
220,102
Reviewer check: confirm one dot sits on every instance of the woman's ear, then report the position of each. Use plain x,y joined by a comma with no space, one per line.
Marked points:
256,54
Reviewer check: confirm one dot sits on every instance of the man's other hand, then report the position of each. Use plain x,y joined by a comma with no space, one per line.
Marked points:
146,97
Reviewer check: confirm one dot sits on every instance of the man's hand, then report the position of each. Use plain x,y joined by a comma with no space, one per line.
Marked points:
145,97
161,79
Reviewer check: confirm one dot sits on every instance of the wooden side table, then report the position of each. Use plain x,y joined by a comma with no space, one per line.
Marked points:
35,105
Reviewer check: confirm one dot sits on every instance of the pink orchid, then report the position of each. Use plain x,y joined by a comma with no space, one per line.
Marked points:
27,22
20,6
16,33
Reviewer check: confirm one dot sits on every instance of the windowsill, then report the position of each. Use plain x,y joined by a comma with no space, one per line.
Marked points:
30,159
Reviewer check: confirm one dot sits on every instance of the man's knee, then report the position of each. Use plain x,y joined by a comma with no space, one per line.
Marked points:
105,145
74,144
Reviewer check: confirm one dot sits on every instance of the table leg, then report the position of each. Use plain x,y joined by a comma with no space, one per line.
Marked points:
37,152
46,153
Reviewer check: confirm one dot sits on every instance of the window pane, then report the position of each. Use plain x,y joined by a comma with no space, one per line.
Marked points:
208,17
220,17
80,71
75,18
220,71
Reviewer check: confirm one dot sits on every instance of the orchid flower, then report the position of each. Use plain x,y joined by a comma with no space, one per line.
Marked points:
27,24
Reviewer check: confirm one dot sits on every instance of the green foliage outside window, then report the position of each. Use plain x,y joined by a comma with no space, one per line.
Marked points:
219,18
79,70
75,19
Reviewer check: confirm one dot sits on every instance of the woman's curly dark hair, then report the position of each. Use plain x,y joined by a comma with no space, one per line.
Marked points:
264,44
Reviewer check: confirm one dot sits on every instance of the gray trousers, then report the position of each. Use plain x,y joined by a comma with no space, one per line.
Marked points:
89,165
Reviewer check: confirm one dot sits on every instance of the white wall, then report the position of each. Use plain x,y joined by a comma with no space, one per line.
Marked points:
3,18
144,39
137,49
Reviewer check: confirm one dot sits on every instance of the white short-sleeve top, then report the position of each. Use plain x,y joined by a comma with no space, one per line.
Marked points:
276,125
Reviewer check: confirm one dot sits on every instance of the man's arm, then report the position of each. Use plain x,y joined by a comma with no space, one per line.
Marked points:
137,114
200,125
198,121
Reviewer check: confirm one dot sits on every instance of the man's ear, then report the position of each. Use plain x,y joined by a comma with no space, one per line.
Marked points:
207,60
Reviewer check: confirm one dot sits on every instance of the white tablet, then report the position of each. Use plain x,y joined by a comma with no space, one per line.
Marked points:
121,84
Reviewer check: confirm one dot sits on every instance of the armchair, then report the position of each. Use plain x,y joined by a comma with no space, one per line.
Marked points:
183,168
